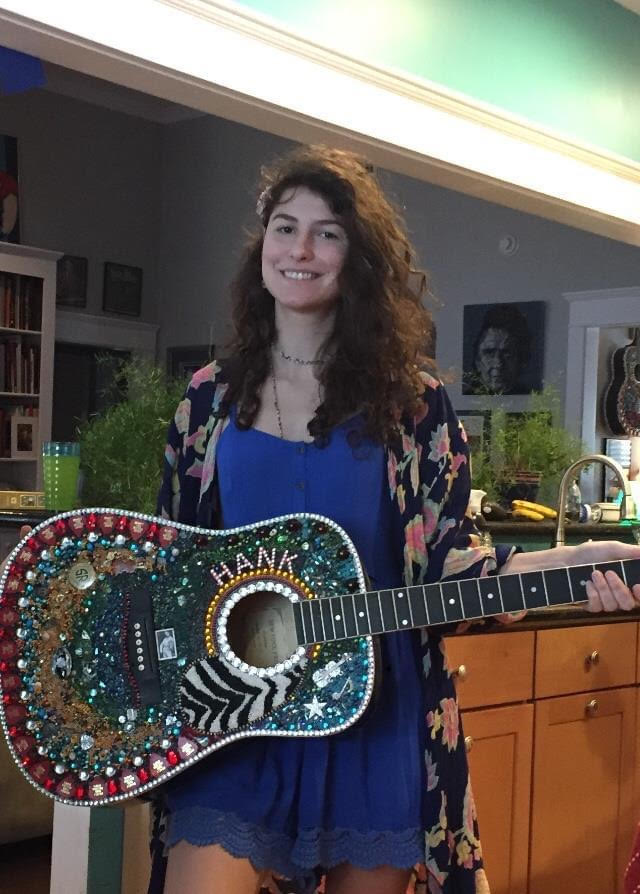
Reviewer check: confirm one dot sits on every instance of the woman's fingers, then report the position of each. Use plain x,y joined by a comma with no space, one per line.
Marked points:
607,592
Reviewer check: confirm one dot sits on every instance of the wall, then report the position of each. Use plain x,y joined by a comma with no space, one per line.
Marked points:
570,65
89,185
210,172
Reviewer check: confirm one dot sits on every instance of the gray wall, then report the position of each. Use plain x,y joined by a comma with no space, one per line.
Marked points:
175,200
89,185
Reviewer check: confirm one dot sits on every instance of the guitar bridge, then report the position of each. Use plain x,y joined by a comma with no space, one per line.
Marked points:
141,648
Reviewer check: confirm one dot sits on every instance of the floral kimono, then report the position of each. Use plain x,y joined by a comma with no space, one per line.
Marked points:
429,482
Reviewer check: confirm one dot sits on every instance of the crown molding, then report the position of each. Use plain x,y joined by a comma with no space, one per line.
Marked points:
254,26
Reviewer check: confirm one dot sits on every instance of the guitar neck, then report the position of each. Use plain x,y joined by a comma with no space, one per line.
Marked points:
384,611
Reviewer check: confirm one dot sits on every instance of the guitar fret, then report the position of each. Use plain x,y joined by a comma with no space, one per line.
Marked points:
534,589
470,598
434,603
349,615
306,619
388,611
560,589
362,615
632,572
451,597
418,606
327,618
511,594
338,621
578,576
316,615
490,595
373,608
411,621
402,609
297,617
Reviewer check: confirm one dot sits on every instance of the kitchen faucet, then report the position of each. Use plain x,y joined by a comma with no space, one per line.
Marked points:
626,507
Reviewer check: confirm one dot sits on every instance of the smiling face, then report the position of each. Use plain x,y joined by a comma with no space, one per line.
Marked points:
303,252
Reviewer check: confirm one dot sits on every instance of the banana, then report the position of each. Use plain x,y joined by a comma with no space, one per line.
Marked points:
545,511
521,512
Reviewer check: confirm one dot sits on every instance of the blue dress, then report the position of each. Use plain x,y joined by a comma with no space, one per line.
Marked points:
293,805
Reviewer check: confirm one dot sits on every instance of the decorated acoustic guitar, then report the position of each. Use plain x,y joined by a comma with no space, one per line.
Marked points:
132,647
622,397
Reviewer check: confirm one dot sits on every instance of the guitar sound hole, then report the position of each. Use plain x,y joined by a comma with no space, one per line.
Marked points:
261,629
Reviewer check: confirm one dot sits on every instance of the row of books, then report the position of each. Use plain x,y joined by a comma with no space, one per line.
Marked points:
23,431
20,301
19,367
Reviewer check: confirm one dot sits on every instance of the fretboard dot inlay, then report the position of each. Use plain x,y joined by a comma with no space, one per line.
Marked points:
534,589
361,614
338,617
583,583
400,595
489,595
452,602
404,622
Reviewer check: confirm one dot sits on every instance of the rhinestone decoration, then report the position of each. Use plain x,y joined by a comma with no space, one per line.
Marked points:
76,659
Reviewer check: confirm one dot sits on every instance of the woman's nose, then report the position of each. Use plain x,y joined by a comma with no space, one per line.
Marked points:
302,247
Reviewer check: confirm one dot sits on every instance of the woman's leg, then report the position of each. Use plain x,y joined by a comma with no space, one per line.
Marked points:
348,879
209,870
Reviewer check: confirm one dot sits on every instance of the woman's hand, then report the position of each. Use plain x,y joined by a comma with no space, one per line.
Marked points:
608,592
605,592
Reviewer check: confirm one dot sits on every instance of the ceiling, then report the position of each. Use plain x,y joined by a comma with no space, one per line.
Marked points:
633,5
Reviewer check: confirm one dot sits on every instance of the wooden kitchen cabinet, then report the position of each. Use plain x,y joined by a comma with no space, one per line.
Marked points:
582,806
499,745
569,697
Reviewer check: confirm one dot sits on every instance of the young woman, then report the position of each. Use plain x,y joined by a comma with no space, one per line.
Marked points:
328,405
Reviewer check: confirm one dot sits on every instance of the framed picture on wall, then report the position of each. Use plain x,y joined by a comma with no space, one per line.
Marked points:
122,290
24,437
183,362
503,347
9,204
71,281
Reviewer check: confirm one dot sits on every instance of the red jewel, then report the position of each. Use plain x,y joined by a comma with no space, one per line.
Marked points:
48,535
152,530
122,524
10,682
32,543
90,521
8,649
167,536
76,524
8,616
49,784
15,713
138,528
173,758
107,523
3,664
60,527
22,744
79,792
6,698
112,787
14,731
25,760
2,632
143,776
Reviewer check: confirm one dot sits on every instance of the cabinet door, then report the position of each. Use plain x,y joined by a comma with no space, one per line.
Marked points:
582,816
492,668
499,742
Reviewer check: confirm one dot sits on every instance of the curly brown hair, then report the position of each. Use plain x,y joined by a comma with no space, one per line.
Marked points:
382,332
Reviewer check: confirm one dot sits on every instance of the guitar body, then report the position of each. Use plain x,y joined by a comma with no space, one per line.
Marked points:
621,404
132,647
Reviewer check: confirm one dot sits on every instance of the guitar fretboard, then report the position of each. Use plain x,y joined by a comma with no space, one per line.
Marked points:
383,611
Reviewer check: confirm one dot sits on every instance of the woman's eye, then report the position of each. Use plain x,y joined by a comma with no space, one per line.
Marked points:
329,234
285,228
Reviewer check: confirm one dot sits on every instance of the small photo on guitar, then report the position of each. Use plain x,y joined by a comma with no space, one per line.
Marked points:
166,644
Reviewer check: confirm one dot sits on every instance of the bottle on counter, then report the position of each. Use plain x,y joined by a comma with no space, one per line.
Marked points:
574,502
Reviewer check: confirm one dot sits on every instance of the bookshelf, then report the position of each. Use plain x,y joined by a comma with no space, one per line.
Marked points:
27,338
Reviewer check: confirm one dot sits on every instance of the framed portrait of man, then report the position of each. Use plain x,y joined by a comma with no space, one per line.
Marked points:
503,347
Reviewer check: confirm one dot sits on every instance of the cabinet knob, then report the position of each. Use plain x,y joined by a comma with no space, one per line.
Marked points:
461,672
593,658
592,707
468,743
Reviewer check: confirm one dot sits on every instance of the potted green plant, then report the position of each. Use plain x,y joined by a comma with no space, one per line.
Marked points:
526,453
121,449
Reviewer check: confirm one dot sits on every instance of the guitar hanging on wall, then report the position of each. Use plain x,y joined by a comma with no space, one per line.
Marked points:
132,647
621,404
